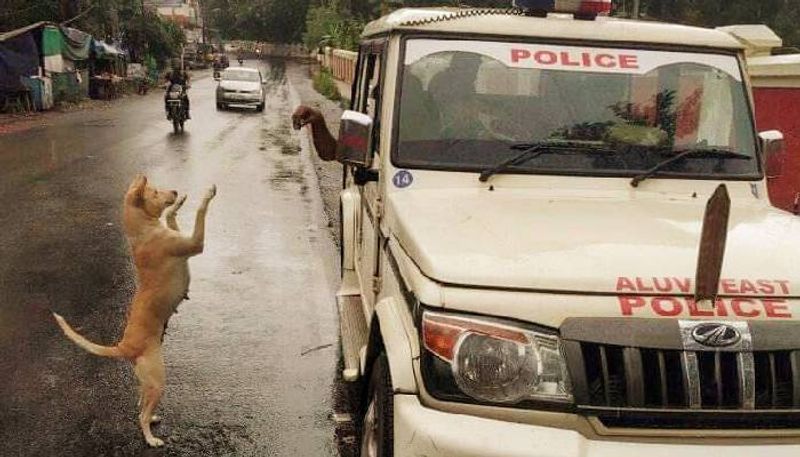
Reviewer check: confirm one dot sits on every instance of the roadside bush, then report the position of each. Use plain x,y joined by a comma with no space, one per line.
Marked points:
325,85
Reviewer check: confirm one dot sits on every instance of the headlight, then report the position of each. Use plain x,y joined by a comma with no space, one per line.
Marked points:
492,361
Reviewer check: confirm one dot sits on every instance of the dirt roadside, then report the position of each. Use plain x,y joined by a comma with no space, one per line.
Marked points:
329,173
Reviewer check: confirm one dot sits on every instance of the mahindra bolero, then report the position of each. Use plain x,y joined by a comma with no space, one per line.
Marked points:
524,211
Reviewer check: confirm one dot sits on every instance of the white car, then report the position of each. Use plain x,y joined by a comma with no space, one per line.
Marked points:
240,86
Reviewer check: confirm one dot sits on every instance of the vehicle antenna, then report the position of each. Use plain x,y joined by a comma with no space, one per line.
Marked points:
712,247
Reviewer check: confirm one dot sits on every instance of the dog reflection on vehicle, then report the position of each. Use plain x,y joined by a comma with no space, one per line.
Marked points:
161,254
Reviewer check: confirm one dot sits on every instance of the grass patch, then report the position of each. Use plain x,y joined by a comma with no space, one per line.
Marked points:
325,85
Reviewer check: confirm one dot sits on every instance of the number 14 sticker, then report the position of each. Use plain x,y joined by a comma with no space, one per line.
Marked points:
403,179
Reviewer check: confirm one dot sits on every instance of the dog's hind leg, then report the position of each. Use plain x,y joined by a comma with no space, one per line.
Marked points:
153,420
151,373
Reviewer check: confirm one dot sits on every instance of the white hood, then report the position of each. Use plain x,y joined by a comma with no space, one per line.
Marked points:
512,238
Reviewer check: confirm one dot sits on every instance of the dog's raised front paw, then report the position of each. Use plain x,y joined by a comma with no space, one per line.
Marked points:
179,203
212,192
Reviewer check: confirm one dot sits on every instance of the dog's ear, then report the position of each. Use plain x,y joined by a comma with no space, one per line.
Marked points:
136,190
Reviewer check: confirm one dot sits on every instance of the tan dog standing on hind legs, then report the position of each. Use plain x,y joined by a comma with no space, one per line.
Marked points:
161,255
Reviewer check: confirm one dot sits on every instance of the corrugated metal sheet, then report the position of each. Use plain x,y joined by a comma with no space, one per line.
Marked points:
503,23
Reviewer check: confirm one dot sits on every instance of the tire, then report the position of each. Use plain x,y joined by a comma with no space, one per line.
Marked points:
182,122
176,125
260,108
377,422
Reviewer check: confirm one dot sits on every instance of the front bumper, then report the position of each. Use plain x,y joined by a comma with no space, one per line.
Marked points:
421,431
240,99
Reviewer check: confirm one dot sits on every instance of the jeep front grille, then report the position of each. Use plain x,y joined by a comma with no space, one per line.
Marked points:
625,377
643,368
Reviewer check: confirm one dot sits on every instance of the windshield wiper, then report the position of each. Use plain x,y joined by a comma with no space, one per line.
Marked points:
701,152
531,151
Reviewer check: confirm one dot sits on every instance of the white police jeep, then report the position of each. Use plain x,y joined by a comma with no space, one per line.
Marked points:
527,269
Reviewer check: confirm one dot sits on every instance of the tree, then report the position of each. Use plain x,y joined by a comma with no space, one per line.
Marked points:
148,34
781,15
281,21
19,13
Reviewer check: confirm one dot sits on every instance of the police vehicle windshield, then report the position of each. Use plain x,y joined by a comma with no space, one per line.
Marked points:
468,105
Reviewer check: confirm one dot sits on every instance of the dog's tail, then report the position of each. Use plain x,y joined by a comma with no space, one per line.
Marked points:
96,349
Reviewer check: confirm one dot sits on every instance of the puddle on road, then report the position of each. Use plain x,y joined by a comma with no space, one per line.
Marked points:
280,145
282,175
277,71
290,150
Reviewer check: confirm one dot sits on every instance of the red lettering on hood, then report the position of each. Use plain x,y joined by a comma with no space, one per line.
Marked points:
629,304
744,308
777,309
727,286
625,285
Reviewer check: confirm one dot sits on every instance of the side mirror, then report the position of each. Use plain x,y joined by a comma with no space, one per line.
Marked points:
773,145
355,139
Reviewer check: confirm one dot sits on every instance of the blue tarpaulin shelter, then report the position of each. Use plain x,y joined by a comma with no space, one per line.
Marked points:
19,56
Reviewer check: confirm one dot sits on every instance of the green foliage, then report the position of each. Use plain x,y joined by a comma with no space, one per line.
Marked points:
781,15
325,85
148,34
19,13
327,25
277,21
142,32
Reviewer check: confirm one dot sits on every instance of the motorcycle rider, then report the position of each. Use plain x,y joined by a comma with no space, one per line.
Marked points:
177,76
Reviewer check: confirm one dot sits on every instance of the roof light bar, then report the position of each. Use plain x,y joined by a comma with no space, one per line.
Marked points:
581,7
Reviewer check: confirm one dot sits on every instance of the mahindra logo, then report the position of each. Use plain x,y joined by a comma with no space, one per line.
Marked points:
716,335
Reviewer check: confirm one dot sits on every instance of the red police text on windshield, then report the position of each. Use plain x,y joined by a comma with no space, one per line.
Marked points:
572,59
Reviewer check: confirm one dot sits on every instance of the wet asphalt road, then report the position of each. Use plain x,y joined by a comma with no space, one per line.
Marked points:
250,358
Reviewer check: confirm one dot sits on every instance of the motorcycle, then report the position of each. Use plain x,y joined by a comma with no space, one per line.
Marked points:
176,111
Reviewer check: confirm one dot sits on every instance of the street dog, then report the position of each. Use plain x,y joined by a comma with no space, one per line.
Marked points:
161,254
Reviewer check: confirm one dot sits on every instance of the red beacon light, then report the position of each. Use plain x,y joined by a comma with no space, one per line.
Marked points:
580,8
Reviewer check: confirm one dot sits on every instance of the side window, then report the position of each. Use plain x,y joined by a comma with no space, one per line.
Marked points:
368,96
359,101
374,87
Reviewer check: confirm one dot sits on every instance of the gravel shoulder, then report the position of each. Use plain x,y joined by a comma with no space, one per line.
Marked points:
328,173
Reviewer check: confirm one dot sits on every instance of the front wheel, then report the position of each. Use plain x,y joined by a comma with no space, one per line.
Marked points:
176,125
377,425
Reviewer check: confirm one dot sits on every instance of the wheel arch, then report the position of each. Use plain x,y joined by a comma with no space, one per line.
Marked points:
388,335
